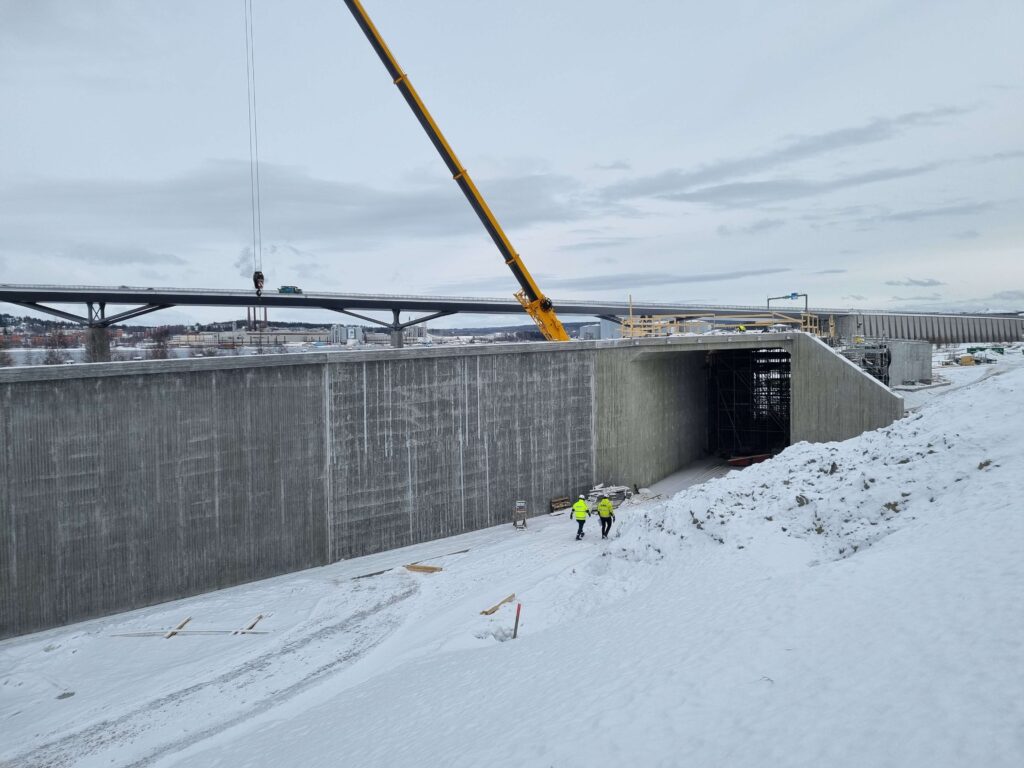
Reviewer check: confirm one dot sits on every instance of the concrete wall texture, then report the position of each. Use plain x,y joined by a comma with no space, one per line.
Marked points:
911,361
128,484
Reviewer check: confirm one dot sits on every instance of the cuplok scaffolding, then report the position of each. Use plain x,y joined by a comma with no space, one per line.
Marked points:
748,401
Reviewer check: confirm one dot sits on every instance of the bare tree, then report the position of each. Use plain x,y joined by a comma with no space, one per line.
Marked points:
160,338
6,361
56,343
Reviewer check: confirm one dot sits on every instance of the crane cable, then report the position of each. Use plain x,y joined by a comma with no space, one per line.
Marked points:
254,147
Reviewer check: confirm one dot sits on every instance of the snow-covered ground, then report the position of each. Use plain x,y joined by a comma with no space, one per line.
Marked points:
845,604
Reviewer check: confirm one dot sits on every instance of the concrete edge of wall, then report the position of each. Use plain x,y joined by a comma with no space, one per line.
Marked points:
834,399
149,367
873,381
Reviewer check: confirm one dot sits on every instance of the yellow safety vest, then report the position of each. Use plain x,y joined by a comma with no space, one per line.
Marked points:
581,509
605,508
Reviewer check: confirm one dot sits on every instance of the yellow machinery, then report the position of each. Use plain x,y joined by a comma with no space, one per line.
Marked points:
534,302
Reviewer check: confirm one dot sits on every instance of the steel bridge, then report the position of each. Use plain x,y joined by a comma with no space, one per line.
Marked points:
135,302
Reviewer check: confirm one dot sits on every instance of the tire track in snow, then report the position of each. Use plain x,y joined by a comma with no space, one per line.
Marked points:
365,629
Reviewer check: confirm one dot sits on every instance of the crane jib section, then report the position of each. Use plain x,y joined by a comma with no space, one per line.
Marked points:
532,299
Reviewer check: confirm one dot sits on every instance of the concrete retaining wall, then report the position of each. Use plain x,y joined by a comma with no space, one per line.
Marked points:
127,484
832,398
911,362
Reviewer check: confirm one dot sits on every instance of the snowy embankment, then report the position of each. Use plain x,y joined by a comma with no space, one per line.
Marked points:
847,604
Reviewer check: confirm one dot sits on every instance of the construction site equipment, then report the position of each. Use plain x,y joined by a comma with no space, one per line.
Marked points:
748,401
519,516
536,304
810,324
560,502
790,297
873,357
746,461
615,493
645,326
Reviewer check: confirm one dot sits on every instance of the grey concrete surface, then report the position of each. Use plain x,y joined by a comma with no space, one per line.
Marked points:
128,484
650,414
911,362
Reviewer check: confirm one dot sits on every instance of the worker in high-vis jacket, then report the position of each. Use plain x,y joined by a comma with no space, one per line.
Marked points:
606,511
580,512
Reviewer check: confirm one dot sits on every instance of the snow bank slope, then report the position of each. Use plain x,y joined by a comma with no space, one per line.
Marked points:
833,631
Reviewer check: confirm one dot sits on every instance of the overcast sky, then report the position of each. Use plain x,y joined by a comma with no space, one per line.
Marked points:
869,153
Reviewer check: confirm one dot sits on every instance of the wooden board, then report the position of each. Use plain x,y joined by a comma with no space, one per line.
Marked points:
368,575
423,568
174,631
493,608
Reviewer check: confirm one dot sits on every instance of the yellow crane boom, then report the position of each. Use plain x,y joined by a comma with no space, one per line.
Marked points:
534,302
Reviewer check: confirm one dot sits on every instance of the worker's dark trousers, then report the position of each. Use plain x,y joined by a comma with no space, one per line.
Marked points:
579,533
606,525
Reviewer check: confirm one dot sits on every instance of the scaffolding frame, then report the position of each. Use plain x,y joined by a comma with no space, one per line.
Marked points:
749,397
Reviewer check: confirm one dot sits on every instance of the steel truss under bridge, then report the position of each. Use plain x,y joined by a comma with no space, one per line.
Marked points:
939,328
142,301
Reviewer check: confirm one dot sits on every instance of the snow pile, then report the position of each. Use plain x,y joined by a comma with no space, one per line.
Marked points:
844,496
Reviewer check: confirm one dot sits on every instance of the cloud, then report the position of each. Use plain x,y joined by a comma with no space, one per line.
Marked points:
616,282
112,254
676,184
830,272
99,220
244,262
1008,296
856,297
752,193
1013,154
942,211
310,271
763,225
868,217
649,279
930,297
967,234
599,242
913,282
617,165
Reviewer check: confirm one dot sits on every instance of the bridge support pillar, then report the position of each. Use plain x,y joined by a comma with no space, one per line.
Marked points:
397,331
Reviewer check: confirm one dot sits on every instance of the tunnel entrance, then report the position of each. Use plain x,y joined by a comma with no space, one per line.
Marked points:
748,401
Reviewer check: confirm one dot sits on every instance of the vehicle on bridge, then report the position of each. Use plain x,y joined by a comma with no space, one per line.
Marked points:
289,289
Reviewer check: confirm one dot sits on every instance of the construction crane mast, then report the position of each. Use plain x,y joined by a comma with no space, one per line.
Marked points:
537,305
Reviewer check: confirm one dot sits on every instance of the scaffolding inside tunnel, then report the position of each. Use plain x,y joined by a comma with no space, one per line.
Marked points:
748,401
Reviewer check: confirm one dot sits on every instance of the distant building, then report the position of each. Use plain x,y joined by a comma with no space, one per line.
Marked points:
610,330
349,335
